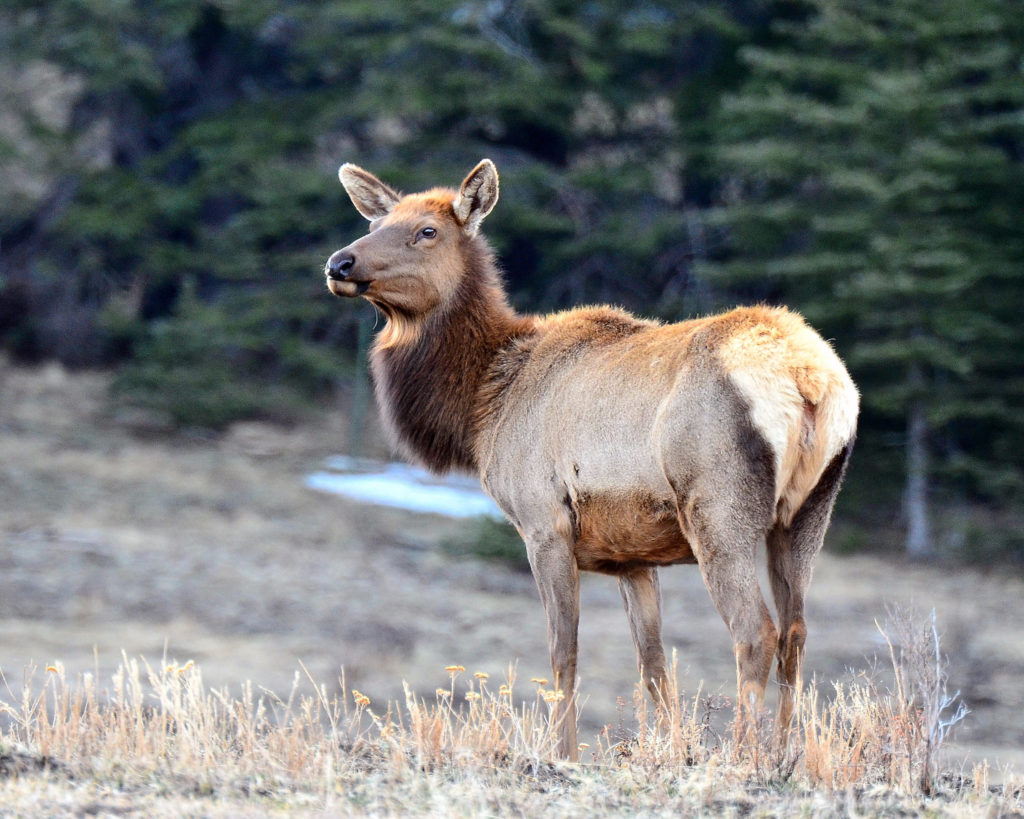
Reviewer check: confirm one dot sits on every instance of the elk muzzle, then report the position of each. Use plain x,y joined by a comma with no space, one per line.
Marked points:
338,270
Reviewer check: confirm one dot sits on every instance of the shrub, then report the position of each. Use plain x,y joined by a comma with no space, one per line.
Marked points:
211,364
489,539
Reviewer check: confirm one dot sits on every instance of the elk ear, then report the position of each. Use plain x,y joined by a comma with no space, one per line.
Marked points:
477,196
371,197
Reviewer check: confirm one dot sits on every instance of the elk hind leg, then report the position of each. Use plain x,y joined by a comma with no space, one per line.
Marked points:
791,553
725,544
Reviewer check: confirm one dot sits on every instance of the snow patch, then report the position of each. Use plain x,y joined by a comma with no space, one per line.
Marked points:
404,487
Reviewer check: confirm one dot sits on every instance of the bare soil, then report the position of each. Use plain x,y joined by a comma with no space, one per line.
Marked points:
116,536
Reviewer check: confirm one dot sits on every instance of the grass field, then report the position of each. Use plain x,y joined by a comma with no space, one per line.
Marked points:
207,557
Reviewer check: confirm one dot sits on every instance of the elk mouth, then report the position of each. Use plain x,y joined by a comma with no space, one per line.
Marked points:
347,287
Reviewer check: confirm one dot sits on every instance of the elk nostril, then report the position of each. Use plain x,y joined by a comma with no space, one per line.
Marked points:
340,264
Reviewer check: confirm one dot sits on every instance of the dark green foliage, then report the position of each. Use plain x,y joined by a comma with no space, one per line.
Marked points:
489,539
205,371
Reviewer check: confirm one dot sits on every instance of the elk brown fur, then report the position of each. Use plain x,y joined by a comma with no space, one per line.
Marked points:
613,444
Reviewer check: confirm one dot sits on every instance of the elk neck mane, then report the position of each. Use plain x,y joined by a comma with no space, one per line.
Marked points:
433,375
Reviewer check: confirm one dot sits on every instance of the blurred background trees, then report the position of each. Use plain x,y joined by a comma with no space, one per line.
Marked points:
170,196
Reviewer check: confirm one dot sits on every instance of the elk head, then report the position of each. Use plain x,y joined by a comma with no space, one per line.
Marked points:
413,257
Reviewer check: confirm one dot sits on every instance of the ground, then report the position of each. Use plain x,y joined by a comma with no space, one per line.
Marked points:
117,535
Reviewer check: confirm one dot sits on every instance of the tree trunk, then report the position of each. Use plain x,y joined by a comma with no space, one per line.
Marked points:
919,537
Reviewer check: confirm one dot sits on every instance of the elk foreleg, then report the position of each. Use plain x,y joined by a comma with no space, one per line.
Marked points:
558,580
642,599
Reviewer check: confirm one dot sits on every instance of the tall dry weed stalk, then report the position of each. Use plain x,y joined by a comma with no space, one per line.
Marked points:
870,734
921,688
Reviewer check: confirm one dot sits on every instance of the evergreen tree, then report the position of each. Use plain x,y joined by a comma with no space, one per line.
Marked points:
874,160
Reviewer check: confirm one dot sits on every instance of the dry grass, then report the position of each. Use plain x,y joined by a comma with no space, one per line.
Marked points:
161,742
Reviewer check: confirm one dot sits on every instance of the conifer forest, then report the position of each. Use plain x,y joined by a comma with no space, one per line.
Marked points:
168,172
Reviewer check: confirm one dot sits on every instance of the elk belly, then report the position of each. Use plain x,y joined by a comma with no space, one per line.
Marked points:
618,533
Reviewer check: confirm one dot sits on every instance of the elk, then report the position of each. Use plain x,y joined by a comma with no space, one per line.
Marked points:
614,444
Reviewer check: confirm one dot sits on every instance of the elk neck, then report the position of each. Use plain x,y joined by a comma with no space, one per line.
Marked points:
432,374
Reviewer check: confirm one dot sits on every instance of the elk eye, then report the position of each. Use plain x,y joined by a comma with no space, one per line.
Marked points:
428,232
